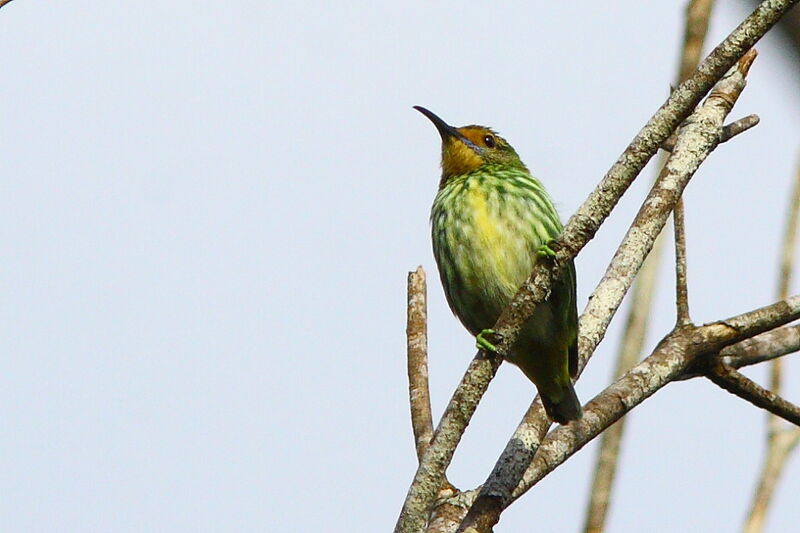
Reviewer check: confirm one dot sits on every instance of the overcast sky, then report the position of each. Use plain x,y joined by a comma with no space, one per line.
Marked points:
207,213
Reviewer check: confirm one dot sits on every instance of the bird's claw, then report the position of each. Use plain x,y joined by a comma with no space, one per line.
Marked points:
483,343
545,251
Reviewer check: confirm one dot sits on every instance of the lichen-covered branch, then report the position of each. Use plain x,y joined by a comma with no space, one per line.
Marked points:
698,14
417,353
430,474
729,131
681,281
495,493
629,353
670,358
696,139
586,221
449,511
736,383
578,231
764,347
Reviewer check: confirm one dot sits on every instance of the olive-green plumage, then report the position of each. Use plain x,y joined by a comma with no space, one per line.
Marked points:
489,221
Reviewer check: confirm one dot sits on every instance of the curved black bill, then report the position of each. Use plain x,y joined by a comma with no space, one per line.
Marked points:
445,130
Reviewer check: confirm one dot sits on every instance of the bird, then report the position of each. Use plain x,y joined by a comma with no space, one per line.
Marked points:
491,220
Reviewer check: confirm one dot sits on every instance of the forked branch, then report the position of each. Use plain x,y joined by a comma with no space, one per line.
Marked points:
580,229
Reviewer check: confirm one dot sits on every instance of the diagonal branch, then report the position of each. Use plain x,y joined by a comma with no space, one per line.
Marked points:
764,347
697,138
586,221
579,230
736,383
671,357
698,14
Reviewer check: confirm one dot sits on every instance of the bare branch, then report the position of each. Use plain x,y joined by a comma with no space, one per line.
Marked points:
629,353
450,510
579,230
790,33
681,283
728,132
430,474
586,221
698,14
508,470
697,138
738,126
736,383
673,354
762,348
417,351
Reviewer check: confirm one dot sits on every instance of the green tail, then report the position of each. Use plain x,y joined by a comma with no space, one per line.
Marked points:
566,408
550,369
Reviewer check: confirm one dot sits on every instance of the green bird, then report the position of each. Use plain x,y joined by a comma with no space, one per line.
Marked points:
491,220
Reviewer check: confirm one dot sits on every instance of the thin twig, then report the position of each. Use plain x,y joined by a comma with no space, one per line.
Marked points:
738,126
728,132
736,383
681,283
698,13
417,351
578,231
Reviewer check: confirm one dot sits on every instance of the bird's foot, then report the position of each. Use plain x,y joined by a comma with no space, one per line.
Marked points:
545,250
483,343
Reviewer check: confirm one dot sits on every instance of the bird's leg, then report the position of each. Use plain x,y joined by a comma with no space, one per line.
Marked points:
483,343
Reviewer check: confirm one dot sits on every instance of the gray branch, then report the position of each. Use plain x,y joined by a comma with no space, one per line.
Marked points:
695,141
736,383
417,352
579,230
671,357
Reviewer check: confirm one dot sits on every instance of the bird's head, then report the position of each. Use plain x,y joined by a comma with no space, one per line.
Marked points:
468,148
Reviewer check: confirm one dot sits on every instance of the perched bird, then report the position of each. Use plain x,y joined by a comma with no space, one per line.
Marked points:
491,220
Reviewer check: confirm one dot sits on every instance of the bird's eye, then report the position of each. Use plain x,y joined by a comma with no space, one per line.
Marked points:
489,141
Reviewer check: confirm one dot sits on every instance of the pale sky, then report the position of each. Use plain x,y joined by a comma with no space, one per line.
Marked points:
207,213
